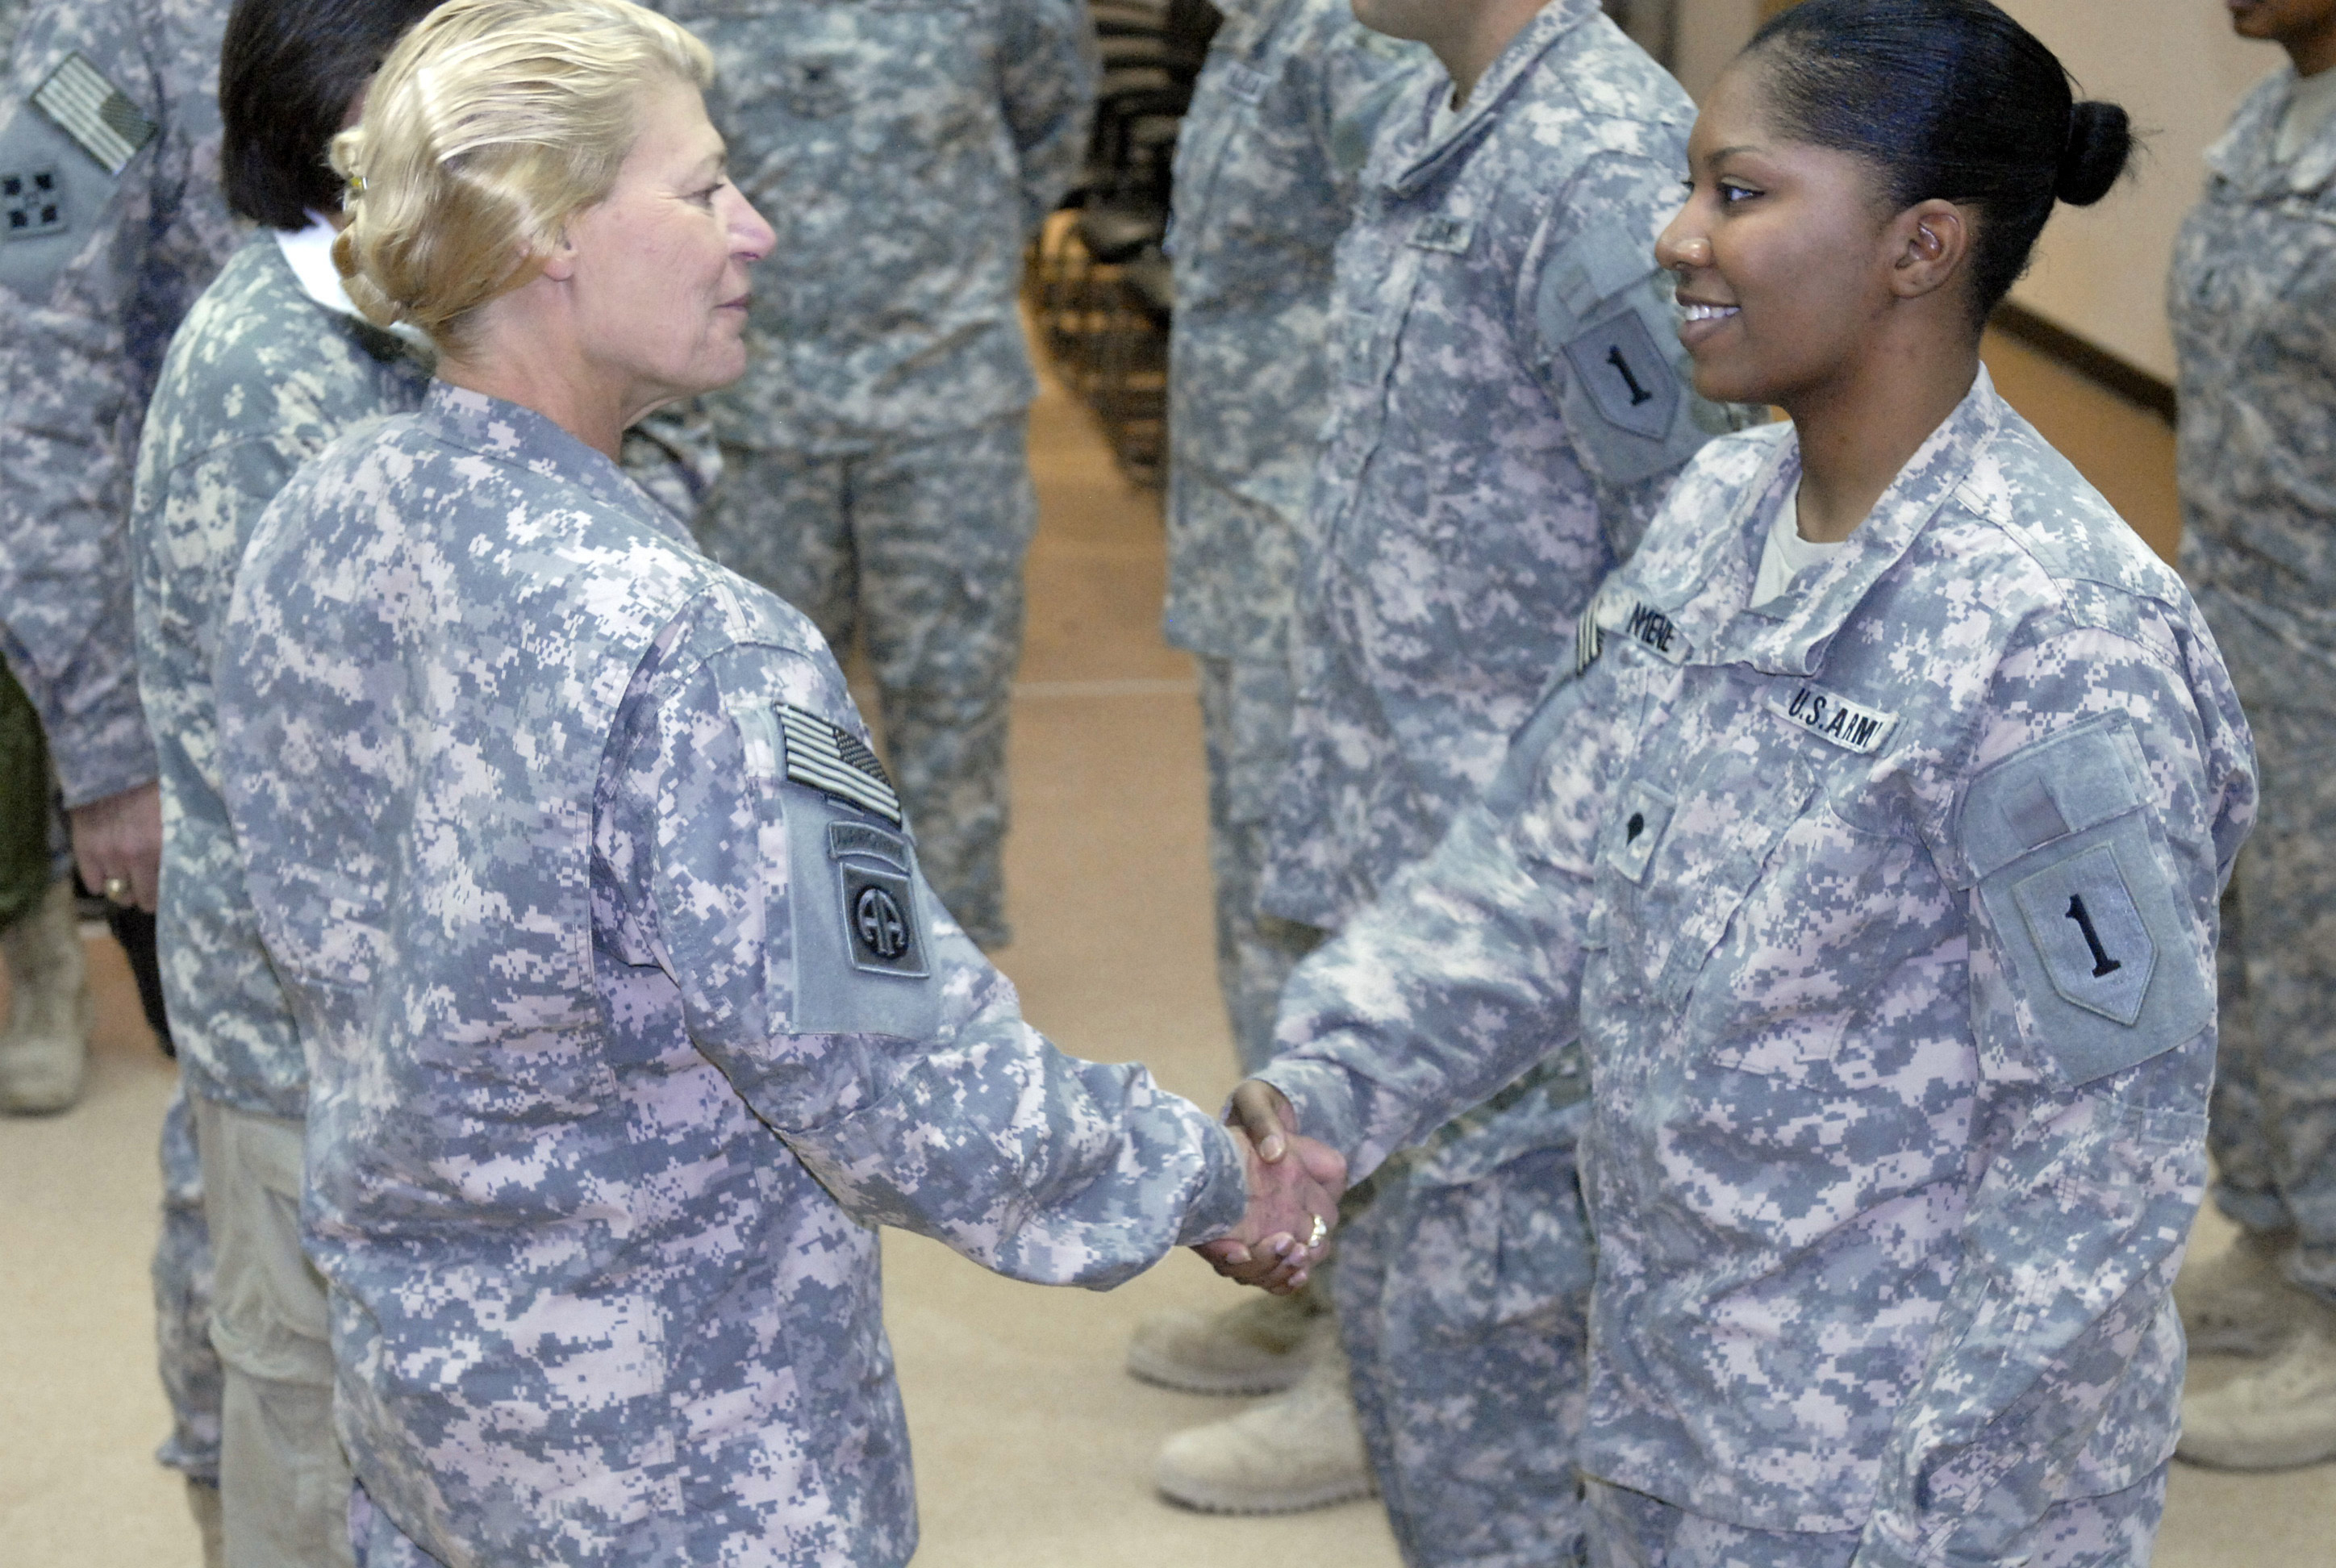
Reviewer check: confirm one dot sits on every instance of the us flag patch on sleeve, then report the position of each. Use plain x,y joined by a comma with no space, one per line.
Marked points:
93,112
835,762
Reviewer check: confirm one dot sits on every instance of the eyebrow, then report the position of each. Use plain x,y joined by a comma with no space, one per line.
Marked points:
1731,152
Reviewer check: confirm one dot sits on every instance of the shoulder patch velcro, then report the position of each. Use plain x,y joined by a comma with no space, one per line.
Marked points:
1630,383
98,115
835,762
2088,913
1830,717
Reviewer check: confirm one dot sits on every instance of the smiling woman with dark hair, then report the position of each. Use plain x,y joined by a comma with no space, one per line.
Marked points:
1872,851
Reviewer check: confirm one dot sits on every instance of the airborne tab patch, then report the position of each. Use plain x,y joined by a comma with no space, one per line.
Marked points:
1830,717
881,930
835,762
93,112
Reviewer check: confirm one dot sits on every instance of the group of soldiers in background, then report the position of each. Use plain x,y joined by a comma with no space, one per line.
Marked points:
1425,395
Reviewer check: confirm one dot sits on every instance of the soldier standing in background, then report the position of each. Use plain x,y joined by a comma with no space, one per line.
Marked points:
111,134
1508,406
1280,122
876,471
2251,298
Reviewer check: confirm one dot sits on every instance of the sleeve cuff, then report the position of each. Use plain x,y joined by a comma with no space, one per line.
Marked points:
1324,1097
1224,1195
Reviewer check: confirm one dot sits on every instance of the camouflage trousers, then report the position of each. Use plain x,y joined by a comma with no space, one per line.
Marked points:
1631,1530
30,859
1463,1293
182,1270
2272,1123
916,546
1245,725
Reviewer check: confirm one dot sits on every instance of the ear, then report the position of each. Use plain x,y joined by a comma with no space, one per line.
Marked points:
557,261
1929,244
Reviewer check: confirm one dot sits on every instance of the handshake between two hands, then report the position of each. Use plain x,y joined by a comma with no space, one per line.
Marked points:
1294,1184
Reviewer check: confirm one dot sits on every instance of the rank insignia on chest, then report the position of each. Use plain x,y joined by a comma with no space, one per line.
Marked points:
93,112
1830,717
1449,235
833,761
1246,82
881,931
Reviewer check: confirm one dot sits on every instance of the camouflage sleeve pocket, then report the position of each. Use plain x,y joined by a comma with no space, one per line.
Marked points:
2082,906
1609,345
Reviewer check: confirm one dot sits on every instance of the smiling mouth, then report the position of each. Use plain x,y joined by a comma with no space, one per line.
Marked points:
1710,312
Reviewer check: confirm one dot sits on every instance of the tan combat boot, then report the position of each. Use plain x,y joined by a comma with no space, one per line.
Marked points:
46,1049
1255,1348
2280,1414
1298,1450
2238,1302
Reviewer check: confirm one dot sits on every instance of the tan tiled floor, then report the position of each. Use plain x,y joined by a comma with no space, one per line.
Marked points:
1032,1448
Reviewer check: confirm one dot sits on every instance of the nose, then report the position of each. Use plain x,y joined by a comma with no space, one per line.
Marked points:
751,238
1681,249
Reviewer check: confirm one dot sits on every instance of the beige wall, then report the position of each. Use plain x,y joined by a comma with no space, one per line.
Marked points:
2101,272
2175,66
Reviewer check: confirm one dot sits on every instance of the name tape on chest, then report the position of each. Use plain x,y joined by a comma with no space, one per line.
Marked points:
1449,235
93,112
837,762
1830,717
1631,618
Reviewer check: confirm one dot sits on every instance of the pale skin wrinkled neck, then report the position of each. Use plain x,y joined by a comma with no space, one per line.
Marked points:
1475,38
527,348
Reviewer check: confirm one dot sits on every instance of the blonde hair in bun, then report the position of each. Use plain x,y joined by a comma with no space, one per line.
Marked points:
490,125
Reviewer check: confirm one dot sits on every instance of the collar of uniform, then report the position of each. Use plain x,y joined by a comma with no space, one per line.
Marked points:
2246,154
1790,634
1537,38
512,433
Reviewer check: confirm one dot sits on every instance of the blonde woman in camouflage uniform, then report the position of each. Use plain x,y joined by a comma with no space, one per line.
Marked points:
630,1014
2252,299
1870,850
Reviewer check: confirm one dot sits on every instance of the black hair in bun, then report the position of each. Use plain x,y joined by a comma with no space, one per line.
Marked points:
1950,99
2101,141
